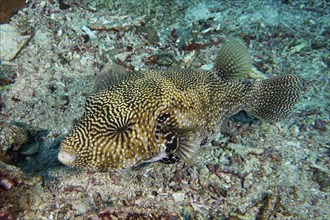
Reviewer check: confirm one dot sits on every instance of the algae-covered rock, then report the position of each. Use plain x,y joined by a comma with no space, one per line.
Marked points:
11,42
7,75
11,137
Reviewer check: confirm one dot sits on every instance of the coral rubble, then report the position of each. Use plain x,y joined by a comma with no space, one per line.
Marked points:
253,170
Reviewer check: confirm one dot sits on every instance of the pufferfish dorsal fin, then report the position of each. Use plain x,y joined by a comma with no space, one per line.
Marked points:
233,61
187,145
110,74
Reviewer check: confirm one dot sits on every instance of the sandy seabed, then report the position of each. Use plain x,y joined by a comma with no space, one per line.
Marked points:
253,170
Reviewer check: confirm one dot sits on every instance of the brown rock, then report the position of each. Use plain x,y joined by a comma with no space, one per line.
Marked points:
8,8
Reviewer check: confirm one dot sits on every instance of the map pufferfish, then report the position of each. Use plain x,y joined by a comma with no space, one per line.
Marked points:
170,114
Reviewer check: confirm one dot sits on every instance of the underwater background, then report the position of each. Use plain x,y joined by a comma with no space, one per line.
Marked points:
50,53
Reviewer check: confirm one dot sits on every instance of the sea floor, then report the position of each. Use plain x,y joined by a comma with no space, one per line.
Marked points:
52,50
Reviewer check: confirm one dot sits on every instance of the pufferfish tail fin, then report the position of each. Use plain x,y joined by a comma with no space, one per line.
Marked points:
233,61
273,99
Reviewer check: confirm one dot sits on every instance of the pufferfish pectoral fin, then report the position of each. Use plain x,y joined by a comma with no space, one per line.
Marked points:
188,146
182,144
109,75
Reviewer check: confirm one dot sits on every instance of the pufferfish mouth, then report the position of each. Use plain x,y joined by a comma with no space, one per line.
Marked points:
66,157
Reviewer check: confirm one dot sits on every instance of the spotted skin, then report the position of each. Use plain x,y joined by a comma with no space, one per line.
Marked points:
156,114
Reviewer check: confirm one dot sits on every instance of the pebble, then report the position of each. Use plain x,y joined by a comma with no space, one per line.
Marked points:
178,197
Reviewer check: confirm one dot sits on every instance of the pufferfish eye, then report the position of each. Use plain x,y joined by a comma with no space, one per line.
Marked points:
163,117
163,132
